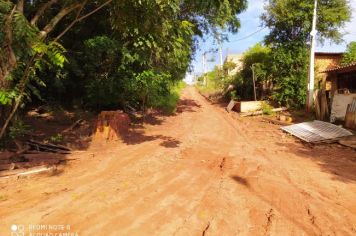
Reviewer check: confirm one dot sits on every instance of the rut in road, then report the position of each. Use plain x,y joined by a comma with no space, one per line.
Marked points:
200,172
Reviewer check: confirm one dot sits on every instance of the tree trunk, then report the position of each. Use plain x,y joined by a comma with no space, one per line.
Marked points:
111,126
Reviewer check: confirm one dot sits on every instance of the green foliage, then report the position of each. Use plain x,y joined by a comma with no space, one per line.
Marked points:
350,54
289,71
290,25
291,21
215,81
56,138
149,87
234,96
168,103
228,65
6,97
53,51
267,109
18,129
129,52
257,57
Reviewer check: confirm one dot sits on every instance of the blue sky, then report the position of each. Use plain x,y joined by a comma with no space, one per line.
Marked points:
250,23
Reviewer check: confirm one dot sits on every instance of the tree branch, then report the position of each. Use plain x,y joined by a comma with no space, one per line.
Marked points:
95,10
23,81
65,11
72,23
78,19
41,10
20,5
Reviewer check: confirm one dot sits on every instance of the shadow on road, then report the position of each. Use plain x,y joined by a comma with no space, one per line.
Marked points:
241,180
187,105
338,161
137,135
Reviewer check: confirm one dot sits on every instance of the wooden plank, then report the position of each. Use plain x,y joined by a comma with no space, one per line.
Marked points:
249,106
256,113
19,171
349,142
231,106
317,105
48,147
324,105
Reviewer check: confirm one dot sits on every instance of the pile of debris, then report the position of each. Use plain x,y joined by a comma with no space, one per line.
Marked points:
32,155
250,108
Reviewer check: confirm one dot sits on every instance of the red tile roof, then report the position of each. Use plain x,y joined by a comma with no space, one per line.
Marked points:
341,68
329,53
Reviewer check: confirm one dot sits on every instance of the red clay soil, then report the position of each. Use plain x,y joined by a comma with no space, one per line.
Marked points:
200,172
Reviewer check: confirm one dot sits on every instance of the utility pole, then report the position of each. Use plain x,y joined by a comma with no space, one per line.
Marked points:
220,40
204,68
227,60
312,60
253,79
221,55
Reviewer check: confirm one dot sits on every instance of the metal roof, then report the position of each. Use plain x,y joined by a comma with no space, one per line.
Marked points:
316,131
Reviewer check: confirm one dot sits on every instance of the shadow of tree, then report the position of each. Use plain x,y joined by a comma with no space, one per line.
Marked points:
333,159
135,137
136,134
170,143
187,105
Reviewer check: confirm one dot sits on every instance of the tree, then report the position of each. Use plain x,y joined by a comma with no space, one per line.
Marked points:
26,49
290,25
146,35
350,54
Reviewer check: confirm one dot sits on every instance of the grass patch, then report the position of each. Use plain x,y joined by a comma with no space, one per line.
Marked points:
168,103
267,109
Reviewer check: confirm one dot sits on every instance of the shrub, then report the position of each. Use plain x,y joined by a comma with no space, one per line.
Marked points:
267,109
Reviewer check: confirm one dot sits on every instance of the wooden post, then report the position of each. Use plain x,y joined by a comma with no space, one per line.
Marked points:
253,79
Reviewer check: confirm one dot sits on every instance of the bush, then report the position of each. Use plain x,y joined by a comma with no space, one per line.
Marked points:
18,129
267,109
169,102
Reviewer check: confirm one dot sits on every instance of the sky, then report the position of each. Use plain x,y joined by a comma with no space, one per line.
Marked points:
250,23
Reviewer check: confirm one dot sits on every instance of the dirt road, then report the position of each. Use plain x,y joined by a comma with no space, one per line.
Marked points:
200,172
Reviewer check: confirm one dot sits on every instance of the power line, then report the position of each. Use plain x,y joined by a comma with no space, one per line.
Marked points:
246,37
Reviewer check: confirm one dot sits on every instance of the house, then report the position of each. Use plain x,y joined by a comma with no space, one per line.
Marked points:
237,60
326,61
341,88
341,78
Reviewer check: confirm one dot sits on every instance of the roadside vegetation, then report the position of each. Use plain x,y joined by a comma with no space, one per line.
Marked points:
350,54
280,62
101,55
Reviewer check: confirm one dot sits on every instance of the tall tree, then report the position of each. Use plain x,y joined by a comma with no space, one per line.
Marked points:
350,54
290,23
145,35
